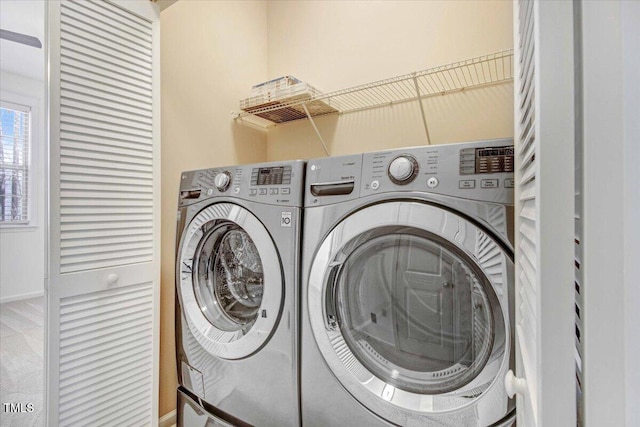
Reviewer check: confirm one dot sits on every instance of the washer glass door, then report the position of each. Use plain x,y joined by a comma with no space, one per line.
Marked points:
414,310
229,281
228,277
409,305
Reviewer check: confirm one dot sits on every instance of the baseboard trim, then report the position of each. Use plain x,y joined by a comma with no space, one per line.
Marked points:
22,296
168,419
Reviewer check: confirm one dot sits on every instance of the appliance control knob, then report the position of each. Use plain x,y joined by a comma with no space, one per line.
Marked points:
403,169
222,180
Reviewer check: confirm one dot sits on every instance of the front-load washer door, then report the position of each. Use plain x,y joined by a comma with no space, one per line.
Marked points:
408,303
229,281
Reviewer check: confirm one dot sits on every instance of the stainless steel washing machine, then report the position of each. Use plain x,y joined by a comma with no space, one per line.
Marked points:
237,282
408,287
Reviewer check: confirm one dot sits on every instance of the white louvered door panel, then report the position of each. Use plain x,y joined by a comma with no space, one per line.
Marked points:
526,294
544,145
106,195
104,247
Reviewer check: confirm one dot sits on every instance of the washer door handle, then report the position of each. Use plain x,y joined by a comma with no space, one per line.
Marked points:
514,385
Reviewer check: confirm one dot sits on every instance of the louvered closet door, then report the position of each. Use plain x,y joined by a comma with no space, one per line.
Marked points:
544,145
104,185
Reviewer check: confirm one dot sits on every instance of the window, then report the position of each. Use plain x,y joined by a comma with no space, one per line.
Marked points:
15,126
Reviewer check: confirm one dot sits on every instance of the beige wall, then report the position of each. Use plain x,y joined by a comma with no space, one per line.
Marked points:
335,45
212,51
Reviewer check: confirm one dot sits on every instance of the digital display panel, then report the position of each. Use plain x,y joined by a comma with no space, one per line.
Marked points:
503,151
271,176
494,160
486,160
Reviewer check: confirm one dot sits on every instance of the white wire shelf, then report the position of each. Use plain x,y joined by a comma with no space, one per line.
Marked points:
476,72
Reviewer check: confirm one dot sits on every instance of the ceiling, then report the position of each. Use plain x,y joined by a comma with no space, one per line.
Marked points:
26,17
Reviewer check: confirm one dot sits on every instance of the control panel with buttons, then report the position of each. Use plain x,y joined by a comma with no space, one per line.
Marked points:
481,170
273,183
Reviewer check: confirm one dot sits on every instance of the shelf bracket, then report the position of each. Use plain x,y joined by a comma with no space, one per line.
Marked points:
313,123
424,118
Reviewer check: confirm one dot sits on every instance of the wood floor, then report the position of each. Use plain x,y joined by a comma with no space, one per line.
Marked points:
22,361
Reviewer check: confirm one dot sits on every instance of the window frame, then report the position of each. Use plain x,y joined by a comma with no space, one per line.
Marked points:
21,102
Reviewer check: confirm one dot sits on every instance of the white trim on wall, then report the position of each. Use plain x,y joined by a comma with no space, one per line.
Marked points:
168,419
22,296
630,12
603,262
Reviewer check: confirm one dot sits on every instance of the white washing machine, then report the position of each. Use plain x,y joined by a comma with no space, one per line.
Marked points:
237,282
408,287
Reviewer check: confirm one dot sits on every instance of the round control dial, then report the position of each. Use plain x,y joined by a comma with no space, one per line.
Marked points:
222,180
403,169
